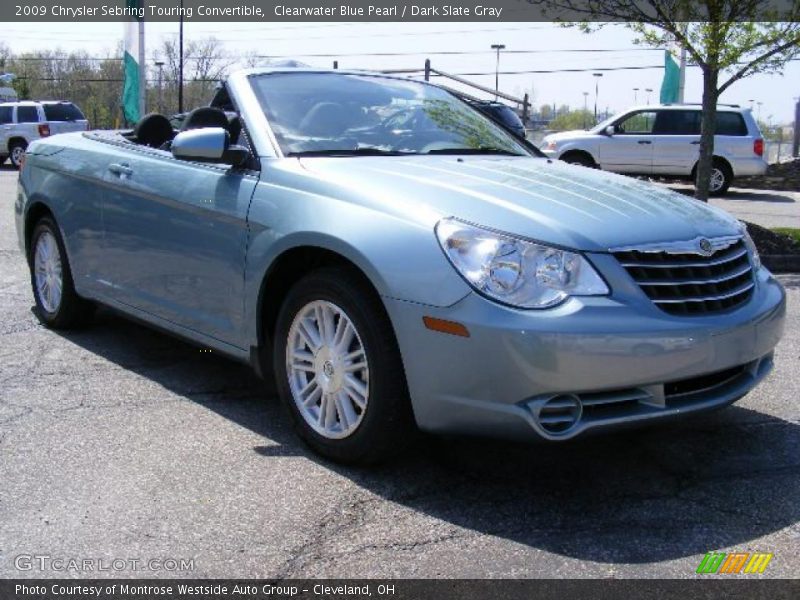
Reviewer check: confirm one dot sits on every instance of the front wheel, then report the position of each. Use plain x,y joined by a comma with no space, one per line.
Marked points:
338,369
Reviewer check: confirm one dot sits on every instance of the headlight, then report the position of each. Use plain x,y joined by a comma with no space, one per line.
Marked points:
515,271
751,246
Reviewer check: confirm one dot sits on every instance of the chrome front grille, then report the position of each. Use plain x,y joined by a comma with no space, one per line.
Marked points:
689,283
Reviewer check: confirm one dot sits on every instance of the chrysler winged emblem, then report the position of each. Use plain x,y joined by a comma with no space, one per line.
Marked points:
706,248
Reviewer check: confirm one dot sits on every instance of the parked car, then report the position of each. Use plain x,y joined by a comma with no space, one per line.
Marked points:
391,259
26,121
503,114
665,140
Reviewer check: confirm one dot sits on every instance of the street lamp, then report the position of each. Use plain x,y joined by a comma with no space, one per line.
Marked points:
758,116
635,95
160,65
497,47
648,90
585,110
597,77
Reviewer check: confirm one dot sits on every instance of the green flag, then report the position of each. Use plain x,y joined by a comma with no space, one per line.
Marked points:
130,89
672,77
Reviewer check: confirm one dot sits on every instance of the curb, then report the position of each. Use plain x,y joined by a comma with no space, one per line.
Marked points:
782,263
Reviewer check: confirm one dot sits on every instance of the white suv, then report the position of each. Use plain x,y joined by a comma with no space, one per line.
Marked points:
25,121
665,140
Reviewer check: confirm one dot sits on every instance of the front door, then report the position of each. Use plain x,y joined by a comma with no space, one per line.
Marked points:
176,238
630,148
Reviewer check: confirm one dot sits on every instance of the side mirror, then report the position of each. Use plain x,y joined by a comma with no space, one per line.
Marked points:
610,130
208,144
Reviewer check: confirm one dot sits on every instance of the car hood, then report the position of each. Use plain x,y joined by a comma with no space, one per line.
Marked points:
568,135
540,199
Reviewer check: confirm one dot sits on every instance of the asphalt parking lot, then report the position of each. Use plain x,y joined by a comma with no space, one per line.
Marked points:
120,442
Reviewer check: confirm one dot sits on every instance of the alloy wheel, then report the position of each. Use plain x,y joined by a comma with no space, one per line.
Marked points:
328,371
48,272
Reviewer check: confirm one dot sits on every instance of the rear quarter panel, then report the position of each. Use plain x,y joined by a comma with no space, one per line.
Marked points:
62,174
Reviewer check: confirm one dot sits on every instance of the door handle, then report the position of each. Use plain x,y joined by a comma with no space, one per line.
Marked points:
122,170
645,142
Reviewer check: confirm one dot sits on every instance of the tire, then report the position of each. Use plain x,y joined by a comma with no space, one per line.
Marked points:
49,268
16,151
721,178
579,158
369,417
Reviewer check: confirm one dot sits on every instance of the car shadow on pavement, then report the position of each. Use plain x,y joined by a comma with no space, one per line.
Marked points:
718,480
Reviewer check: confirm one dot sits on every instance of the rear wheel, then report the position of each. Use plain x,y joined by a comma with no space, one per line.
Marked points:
16,152
57,304
339,371
721,178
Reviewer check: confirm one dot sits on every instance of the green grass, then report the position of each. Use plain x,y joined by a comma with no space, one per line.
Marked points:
790,231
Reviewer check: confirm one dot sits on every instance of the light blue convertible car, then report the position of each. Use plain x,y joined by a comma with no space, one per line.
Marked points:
393,259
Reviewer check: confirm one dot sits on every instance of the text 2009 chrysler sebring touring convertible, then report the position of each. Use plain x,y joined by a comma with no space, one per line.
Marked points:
398,260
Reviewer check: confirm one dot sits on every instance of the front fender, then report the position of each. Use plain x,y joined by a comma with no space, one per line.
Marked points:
398,253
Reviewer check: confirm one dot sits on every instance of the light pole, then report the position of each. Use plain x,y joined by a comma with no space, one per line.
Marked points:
160,65
497,47
751,104
635,95
648,90
180,62
597,77
758,116
585,110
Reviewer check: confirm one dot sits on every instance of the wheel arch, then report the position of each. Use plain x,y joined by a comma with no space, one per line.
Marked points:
13,140
34,212
578,152
716,157
290,265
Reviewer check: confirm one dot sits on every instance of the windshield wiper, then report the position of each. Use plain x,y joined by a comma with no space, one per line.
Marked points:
365,151
479,150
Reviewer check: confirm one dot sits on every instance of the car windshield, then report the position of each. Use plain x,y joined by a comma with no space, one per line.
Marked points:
347,114
603,124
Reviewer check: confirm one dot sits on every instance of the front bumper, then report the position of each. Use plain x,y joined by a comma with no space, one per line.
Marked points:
600,361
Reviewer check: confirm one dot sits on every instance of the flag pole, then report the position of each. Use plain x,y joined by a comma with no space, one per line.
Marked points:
142,77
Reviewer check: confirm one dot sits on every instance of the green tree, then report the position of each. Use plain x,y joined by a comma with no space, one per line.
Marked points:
727,39
572,119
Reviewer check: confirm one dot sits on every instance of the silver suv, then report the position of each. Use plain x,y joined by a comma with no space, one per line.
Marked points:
665,140
25,121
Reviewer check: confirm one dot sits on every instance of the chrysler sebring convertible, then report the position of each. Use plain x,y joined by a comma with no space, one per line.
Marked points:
391,259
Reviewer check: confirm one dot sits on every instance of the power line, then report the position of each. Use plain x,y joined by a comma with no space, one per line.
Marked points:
366,54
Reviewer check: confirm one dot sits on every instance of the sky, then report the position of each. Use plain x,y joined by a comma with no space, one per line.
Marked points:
529,46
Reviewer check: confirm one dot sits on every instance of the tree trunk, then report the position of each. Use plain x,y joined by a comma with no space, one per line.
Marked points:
707,130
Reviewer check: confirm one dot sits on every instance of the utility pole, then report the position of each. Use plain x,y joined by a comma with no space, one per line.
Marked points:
597,77
180,61
160,65
796,141
497,47
585,108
